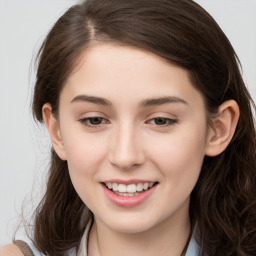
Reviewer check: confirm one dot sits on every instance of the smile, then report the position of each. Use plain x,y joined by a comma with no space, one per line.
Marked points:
128,190
128,195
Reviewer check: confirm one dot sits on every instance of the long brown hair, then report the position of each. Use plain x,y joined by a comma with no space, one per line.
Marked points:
223,202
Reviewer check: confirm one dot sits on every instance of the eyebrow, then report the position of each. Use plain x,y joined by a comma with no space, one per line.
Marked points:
162,101
145,103
92,99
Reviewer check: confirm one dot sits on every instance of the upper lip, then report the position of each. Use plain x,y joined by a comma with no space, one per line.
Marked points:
128,182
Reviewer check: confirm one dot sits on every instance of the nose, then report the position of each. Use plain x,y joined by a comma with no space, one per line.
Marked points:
126,149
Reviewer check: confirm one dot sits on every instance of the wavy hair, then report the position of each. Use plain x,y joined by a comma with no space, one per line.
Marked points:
223,202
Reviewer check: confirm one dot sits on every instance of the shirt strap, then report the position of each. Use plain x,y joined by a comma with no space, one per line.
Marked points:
23,246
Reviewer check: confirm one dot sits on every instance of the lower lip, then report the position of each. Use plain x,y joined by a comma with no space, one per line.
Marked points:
128,201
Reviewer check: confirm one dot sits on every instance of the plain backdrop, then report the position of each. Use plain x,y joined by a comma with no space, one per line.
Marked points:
24,146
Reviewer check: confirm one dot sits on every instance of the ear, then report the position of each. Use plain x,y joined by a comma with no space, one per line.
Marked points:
223,128
53,128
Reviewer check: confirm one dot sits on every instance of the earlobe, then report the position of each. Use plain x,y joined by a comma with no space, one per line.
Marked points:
223,128
53,128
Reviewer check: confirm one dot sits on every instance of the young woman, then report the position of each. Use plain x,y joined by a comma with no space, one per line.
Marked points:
152,133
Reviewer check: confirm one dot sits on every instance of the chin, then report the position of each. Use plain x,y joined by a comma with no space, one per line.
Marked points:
131,224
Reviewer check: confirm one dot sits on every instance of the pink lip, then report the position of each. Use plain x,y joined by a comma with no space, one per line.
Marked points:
128,201
127,182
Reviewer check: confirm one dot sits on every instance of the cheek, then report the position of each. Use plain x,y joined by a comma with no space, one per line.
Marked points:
83,151
84,157
179,156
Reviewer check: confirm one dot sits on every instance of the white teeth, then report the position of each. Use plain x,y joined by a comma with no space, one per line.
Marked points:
115,186
122,188
127,194
145,186
139,187
129,189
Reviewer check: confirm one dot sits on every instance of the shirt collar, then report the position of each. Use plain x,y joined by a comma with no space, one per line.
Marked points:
193,247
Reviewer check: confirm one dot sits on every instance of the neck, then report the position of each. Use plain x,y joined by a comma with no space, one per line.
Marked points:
169,237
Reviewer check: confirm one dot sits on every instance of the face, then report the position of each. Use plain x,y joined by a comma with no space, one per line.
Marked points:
131,123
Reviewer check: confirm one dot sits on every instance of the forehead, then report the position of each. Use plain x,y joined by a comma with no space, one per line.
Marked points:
128,74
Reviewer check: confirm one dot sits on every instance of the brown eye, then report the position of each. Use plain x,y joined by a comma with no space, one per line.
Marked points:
162,121
93,122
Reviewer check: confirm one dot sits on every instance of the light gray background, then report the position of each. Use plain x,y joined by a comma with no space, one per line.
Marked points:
23,145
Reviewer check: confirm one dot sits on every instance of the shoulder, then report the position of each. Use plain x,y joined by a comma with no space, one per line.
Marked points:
10,250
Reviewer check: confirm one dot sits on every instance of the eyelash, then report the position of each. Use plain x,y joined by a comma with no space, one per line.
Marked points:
87,121
168,121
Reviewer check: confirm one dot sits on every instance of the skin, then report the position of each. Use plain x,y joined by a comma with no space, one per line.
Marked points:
130,142
10,250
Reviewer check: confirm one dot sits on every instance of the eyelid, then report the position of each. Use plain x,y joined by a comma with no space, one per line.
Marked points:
170,121
84,121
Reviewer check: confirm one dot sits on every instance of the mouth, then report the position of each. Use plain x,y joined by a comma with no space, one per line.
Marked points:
129,190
